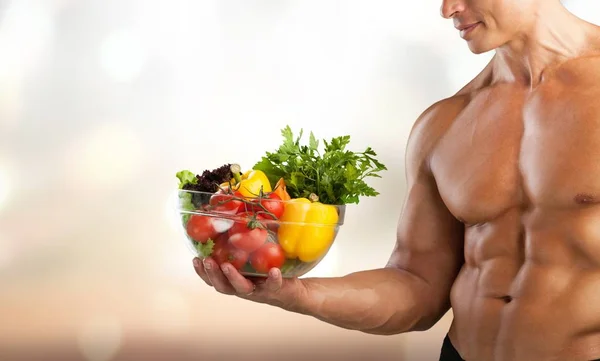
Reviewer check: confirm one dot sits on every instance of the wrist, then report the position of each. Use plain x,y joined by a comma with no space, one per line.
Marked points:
294,296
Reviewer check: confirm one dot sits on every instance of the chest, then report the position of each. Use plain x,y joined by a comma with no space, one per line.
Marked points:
512,149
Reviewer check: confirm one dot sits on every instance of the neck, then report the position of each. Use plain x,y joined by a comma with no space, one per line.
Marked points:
554,36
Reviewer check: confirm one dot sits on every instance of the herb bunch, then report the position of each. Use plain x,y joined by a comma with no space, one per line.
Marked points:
337,175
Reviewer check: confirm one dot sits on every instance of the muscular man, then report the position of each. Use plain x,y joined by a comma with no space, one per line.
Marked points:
502,216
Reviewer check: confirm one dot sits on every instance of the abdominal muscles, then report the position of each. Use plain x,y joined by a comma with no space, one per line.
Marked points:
530,286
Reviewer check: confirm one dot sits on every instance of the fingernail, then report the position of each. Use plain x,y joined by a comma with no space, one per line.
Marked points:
225,269
196,263
207,265
273,273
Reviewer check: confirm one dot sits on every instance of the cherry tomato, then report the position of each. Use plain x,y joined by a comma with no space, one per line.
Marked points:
201,228
247,234
225,252
270,255
272,203
226,203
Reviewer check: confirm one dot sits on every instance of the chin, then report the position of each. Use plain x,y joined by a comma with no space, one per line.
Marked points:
479,47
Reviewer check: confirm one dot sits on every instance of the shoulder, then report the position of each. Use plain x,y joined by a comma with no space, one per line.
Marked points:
437,118
430,127
581,72
433,122
584,68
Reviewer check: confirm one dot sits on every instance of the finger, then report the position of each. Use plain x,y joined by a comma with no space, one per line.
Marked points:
200,271
274,281
241,285
217,278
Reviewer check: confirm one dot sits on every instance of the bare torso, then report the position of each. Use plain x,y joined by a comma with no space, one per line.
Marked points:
520,168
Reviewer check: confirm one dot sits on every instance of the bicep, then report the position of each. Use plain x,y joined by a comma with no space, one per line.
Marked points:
429,243
429,239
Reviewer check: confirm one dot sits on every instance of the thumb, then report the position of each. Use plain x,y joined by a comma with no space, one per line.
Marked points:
274,280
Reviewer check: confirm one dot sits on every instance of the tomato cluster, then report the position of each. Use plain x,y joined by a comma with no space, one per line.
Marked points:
242,236
268,206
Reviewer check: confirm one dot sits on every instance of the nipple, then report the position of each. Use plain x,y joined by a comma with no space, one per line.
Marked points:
585,198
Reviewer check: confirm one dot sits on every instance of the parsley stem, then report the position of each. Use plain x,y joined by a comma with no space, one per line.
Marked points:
318,182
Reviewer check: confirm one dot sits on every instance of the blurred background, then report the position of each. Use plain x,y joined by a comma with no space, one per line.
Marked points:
102,102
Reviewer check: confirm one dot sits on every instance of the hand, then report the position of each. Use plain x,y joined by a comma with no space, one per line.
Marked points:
227,280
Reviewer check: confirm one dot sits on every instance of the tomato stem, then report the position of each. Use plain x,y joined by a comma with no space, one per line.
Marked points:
228,190
254,223
245,201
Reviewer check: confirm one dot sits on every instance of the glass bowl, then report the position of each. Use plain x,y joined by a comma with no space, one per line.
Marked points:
257,234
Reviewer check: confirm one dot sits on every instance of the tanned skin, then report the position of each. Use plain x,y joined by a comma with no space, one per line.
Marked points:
501,220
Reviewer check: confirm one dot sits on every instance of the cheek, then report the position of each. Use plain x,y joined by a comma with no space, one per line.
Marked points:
508,14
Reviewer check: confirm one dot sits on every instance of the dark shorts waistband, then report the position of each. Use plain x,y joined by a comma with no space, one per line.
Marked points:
449,353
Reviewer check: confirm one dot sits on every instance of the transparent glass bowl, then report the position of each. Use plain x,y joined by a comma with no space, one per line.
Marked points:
257,234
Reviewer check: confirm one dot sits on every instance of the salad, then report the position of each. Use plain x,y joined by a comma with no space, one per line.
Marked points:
284,212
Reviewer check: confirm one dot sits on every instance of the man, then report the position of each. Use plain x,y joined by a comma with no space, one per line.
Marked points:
502,216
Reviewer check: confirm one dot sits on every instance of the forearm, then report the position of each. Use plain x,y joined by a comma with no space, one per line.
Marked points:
383,301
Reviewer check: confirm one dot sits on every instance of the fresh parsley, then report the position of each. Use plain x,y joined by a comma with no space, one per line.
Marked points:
337,176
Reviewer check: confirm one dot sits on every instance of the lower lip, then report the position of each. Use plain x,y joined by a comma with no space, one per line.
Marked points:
464,33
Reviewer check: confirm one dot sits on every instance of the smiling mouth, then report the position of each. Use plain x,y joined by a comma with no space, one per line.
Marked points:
465,30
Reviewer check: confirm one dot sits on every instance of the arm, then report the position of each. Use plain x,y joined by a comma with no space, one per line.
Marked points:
412,292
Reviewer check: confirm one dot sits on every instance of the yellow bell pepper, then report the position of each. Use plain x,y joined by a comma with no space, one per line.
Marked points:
250,183
310,231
